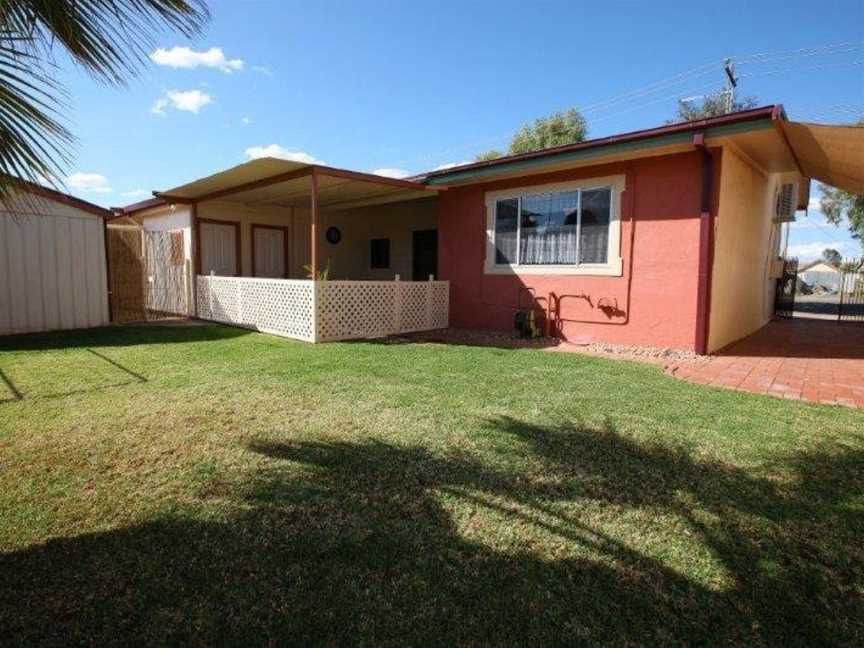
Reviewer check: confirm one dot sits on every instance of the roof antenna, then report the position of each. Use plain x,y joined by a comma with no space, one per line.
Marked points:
731,84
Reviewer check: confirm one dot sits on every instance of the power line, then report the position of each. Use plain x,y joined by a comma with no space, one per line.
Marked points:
642,96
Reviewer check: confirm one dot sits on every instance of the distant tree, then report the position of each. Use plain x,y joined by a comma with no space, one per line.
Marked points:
107,38
851,266
839,206
832,256
491,154
713,104
558,129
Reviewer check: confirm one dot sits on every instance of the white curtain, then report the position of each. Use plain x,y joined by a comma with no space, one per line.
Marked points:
549,232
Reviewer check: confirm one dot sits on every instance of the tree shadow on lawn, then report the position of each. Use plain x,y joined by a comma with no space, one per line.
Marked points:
352,542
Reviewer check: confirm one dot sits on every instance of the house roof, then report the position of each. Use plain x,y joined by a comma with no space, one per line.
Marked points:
832,154
646,138
60,197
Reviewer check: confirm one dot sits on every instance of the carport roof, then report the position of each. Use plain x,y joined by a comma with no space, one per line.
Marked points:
285,183
831,154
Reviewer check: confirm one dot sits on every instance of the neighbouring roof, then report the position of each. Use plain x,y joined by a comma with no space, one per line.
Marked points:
831,267
60,197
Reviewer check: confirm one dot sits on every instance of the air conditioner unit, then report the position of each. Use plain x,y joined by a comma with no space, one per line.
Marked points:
784,208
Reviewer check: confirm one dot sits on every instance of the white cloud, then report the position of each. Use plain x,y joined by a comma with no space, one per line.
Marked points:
135,193
809,251
89,182
814,205
262,69
392,173
450,165
159,106
187,100
184,57
276,151
245,121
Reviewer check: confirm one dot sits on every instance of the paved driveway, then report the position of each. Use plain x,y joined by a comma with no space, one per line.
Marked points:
813,360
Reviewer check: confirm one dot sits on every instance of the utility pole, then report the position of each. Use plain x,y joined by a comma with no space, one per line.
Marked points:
731,83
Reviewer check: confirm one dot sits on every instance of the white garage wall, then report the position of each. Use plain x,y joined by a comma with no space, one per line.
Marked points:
52,267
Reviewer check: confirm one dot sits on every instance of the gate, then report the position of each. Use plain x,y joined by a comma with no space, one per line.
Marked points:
784,298
851,307
149,274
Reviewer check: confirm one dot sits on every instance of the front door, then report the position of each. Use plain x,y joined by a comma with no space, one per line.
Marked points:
268,251
425,254
219,249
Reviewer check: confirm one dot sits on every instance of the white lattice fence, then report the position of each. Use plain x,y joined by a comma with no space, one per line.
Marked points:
365,309
326,310
279,306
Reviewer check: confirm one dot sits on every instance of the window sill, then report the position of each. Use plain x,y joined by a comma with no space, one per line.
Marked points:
612,269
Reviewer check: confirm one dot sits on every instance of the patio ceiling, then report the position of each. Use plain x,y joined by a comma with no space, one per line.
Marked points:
275,182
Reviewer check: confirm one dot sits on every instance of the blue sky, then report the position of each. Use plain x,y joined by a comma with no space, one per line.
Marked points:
408,87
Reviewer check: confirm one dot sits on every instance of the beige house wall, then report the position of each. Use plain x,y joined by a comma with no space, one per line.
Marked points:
349,259
746,242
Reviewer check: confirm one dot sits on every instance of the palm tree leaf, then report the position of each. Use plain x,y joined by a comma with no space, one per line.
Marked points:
108,38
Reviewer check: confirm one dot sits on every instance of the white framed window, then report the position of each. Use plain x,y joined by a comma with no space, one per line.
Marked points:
561,228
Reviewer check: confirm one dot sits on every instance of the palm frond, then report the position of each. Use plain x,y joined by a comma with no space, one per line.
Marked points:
108,38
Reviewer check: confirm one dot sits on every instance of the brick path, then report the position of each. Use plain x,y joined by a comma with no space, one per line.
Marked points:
813,360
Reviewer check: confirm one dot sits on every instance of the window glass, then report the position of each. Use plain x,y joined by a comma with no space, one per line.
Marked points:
506,218
379,254
549,225
594,234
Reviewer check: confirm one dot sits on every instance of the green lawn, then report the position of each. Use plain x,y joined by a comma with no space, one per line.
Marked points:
206,484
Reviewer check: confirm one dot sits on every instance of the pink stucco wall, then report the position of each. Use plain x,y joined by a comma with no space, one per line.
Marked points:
656,296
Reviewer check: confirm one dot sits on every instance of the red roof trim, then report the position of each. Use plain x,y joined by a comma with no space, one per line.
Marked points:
59,196
138,206
773,112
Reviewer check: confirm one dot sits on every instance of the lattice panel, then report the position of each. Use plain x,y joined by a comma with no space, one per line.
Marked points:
355,309
440,315
279,306
360,309
414,306
345,309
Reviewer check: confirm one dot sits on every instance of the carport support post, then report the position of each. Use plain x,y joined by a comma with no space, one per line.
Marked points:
313,227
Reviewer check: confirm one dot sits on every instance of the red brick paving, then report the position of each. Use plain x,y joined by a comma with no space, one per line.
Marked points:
812,360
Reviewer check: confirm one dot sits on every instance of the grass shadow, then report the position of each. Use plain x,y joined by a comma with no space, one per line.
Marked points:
372,542
122,335
11,388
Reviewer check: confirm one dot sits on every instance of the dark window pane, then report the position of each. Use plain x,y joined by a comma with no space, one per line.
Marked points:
594,237
506,214
379,254
548,235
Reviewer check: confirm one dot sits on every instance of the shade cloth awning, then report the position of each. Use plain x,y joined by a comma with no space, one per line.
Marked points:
831,154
